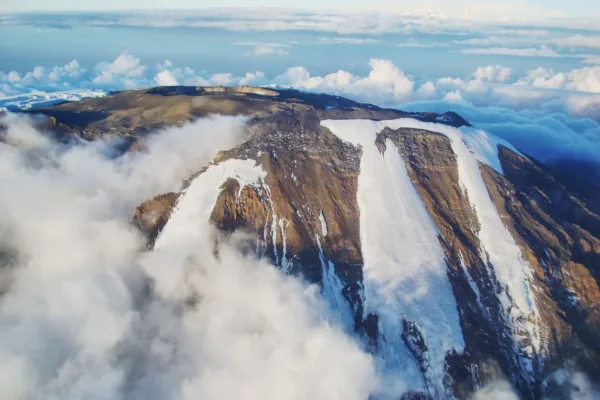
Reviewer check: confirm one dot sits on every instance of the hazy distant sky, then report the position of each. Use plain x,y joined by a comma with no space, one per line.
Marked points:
464,7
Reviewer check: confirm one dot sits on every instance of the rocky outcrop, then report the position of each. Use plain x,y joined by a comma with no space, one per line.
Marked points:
152,215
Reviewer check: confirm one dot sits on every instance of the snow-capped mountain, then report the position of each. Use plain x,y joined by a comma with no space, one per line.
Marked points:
450,255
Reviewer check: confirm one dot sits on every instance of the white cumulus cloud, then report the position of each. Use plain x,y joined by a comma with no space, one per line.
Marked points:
265,49
124,66
165,78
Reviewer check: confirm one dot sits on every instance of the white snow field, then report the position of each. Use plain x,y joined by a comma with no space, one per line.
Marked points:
405,276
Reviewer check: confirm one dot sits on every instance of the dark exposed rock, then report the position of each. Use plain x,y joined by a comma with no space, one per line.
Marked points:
413,395
152,215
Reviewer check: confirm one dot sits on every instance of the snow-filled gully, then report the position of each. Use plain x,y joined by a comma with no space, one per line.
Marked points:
405,277
404,268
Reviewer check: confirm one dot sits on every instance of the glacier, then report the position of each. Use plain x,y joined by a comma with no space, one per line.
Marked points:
405,272
515,275
471,147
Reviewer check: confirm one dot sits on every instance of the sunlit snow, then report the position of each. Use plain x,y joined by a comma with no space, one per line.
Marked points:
198,200
405,275
323,224
513,272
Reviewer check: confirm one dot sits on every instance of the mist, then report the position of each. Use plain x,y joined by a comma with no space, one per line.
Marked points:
81,311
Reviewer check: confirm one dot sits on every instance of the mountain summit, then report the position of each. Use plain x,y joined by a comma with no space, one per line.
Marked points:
451,256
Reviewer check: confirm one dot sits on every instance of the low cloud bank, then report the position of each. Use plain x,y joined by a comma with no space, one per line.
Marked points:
497,390
82,314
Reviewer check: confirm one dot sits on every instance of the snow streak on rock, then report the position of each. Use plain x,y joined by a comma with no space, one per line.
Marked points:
286,263
187,224
405,277
323,224
332,291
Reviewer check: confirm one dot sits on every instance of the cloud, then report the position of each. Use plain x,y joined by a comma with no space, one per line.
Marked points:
427,90
493,73
124,67
165,78
84,313
543,51
580,41
432,17
253,78
591,59
125,72
504,41
385,83
454,96
497,390
477,41
572,384
586,79
265,49
420,45
519,32
346,40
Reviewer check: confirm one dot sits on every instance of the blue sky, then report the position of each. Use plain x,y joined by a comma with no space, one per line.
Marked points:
473,8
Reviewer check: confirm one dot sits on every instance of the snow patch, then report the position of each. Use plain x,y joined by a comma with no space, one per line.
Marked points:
286,264
323,224
195,205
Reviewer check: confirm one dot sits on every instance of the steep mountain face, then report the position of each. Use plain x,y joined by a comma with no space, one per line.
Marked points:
453,257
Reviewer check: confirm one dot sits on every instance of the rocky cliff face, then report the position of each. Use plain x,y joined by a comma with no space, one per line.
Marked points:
453,264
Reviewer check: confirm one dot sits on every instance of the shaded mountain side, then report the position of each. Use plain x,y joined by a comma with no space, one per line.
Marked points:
560,236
